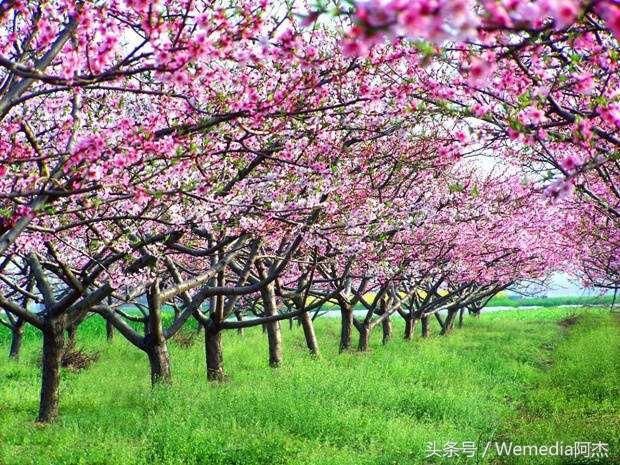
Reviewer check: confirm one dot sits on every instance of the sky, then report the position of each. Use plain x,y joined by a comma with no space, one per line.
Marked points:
562,284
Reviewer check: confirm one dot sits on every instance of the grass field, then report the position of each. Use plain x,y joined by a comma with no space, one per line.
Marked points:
505,301
521,376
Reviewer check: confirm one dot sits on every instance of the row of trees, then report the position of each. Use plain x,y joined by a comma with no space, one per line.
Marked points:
228,163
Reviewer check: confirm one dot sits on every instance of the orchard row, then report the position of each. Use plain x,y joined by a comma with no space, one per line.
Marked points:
240,163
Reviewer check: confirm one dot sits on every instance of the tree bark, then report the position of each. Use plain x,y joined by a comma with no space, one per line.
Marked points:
425,326
109,331
448,322
17,336
53,348
155,341
441,322
274,334
71,337
386,325
213,350
159,363
239,318
311,341
364,341
461,317
346,328
410,322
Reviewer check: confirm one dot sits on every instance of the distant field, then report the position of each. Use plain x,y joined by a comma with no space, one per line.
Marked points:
532,377
503,301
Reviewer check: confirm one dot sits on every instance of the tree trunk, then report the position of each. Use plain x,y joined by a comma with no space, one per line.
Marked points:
425,326
109,331
410,322
311,341
53,347
346,327
159,362
364,341
274,334
213,350
17,336
386,325
156,345
448,322
441,322
461,317
451,319
71,336
239,318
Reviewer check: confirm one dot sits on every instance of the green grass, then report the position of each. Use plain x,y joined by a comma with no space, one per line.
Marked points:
514,375
505,301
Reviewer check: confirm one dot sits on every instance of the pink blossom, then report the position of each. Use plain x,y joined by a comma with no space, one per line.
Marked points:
46,33
141,197
410,19
611,13
570,163
479,110
354,48
310,18
585,83
559,189
462,137
564,12
287,38
23,211
584,127
540,91
611,114
529,11
513,134
94,172
374,14
480,70
202,20
532,115
498,14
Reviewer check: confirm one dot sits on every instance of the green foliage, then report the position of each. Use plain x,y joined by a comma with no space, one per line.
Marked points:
456,187
516,375
425,47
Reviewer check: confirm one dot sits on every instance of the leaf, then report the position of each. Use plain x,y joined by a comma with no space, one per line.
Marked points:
456,187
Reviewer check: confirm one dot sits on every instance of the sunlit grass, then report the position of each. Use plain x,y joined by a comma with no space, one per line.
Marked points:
505,301
509,375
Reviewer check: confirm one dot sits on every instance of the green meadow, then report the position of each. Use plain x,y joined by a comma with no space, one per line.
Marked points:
526,376
502,300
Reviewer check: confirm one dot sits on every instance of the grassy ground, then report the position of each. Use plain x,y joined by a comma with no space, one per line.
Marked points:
505,301
519,376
